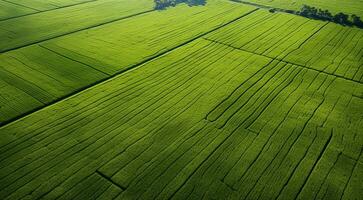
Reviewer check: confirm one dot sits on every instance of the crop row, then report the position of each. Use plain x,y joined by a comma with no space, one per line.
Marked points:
335,6
323,46
127,111
27,30
17,8
201,121
36,75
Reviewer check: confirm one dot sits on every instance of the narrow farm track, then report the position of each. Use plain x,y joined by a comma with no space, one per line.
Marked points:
156,144
222,101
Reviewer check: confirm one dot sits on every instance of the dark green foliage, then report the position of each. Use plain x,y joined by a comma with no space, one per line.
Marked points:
356,21
340,18
162,4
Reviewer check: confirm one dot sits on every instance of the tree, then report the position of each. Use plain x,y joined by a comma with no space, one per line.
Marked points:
357,21
341,18
163,4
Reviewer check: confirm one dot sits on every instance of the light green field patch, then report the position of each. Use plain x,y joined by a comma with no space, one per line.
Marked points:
31,75
8,10
41,5
34,28
119,45
59,67
334,6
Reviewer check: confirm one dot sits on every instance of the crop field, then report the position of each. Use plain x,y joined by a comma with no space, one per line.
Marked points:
323,46
41,73
335,6
110,99
17,8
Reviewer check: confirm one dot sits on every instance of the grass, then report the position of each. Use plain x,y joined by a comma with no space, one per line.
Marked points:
18,8
27,30
349,7
222,101
37,70
323,46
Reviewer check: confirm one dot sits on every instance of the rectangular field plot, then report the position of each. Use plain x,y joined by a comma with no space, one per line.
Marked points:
32,79
138,109
27,30
42,5
334,6
8,10
19,8
121,44
50,70
330,48
200,121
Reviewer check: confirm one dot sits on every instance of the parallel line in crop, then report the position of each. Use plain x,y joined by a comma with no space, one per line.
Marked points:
324,46
21,5
150,139
269,30
36,41
66,57
42,11
112,68
134,91
136,167
38,191
184,98
135,87
303,128
334,53
284,35
286,61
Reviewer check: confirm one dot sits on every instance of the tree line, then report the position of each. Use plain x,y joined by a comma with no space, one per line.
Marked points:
340,18
163,4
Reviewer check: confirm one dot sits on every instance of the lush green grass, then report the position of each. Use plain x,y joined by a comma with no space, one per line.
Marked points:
27,30
203,120
49,4
17,8
221,101
326,47
55,68
11,10
334,6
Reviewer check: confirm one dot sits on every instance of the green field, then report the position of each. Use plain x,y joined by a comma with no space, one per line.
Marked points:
334,6
111,99
18,8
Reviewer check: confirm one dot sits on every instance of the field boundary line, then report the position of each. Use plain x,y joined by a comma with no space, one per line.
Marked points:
42,11
75,31
282,60
21,5
110,180
66,57
129,69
